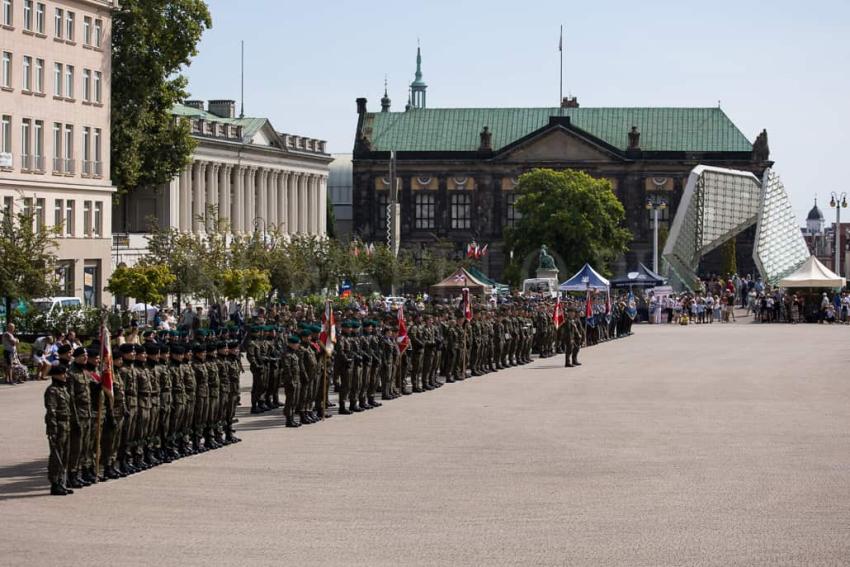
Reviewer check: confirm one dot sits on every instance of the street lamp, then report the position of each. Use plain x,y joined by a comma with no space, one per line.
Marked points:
257,222
655,203
838,202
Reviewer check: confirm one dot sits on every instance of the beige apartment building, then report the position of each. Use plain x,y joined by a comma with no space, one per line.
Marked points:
54,134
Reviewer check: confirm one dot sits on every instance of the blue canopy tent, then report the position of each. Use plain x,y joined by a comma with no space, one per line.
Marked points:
586,278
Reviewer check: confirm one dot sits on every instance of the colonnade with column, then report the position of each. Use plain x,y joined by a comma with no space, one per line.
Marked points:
293,202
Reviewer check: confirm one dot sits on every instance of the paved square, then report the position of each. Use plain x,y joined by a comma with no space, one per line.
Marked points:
711,445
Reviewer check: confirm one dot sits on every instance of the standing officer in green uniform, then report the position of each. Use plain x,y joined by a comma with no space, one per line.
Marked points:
292,370
115,412
201,396
343,366
80,391
59,412
127,374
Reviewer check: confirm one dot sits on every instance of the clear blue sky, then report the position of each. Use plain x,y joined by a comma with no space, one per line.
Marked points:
780,65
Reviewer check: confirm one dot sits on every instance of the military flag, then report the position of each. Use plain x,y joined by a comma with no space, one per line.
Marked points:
327,338
588,308
631,306
402,339
467,306
105,370
558,315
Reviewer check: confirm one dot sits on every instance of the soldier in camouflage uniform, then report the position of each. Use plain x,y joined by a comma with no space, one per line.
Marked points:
115,412
59,413
80,392
292,370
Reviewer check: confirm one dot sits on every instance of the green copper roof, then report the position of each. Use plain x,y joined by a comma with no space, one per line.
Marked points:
457,129
250,126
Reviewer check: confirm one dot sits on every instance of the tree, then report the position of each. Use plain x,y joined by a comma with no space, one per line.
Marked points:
179,252
386,269
146,283
152,40
246,283
574,214
27,269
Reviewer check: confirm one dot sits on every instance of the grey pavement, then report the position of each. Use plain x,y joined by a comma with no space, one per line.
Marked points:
700,445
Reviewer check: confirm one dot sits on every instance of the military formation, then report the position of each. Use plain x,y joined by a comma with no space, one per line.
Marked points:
173,396
170,398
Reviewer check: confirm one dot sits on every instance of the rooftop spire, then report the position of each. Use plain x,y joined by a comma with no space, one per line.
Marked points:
418,86
385,100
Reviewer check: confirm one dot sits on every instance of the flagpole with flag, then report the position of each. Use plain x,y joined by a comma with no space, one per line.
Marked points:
561,92
105,375
558,316
327,338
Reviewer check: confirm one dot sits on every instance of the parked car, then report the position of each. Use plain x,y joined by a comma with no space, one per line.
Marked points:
392,303
50,305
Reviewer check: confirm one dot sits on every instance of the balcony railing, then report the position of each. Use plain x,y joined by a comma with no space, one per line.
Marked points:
69,166
26,162
38,164
98,169
87,167
58,165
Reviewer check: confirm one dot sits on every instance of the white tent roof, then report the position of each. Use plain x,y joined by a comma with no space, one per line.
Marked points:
813,274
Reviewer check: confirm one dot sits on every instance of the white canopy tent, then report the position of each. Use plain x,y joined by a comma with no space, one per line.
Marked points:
813,274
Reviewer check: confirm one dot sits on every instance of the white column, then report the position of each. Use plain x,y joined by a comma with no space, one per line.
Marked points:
282,212
239,198
271,189
250,206
293,202
212,194
224,192
199,193
323,206
184,199
317,216
303,204
263,204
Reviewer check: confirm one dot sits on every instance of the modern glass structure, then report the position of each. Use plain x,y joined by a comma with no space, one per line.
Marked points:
717,205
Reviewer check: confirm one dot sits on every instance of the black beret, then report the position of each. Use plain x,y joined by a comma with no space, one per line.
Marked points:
63,349
198,347
79,351
92,352
139,349
57,370
152,349
177,349
211,347
126,348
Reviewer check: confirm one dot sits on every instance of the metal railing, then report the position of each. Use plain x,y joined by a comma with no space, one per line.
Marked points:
26,162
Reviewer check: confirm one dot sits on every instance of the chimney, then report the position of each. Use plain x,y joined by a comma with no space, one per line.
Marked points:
223,108
361,105
196,104
569,102
486,140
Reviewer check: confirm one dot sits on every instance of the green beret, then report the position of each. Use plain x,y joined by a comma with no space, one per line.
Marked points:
304,333
198,347
316,328
293,339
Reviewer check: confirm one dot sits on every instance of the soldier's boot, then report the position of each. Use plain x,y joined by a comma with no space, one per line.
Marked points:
74,481
342,409
290,421
355,408
364,404
89,475
56,489
110,473
305,420
567,363
374,403
575,360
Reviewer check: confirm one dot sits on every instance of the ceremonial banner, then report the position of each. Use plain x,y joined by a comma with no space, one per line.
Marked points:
588,308
327,338
467,306
105,370
631,306
402,339
558,315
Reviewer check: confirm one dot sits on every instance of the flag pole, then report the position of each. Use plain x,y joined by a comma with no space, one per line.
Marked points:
561,81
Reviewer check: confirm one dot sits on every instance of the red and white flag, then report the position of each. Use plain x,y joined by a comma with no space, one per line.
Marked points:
588,308
470,250
106,370
467,306
608,303
558,315
327,338
402,339
483,251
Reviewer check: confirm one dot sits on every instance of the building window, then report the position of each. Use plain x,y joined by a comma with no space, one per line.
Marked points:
8,208
98,86
28,15
69,149
86,85
59,213
28,207
38,146
91,283
65,277
39,76
26,143
98,163
69,218
7,70
7,13
87,152
383,201
6,134
98,219
69,81
27,84
87,218
424,209
461,210
512,214
39,18
58,164
98,33
69,26
58,20
57,79
39,214
86,30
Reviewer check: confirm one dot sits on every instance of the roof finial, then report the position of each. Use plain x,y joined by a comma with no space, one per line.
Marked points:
385,100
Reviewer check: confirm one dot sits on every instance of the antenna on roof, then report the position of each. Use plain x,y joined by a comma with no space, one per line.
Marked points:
242,95
718,103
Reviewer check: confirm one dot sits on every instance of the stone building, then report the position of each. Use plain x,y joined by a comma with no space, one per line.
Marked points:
256,178
54,131
340,193
459,166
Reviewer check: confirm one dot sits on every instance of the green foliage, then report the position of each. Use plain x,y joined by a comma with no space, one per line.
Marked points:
576,215
85,321
147,283
729,258
152,41
28,261
180,253
385,269
246,283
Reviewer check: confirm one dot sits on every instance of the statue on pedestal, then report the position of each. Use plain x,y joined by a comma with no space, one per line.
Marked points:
546,267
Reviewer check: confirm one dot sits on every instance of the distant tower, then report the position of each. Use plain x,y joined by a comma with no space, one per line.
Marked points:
418,86
815,221
409,104
385,100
